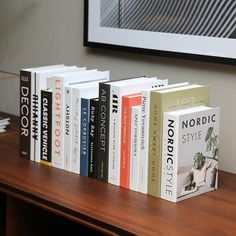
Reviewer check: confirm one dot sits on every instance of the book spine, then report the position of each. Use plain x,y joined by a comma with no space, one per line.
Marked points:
169,158
143,167
76,116
34,117
57,124
93,139
115,136
46,128
25,113
154,148
67,130
84,140
125,144
135,148
103,126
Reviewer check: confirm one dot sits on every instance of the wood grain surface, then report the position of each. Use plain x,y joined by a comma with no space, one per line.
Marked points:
110,209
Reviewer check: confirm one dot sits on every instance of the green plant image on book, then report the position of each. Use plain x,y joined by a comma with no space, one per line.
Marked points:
212,144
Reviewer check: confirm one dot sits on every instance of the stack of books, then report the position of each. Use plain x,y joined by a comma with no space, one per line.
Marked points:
4,122
120,132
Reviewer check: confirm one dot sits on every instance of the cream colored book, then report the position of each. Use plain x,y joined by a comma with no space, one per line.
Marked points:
163,101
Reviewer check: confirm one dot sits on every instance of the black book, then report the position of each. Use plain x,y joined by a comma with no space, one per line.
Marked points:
103,131
93,138
46,127
25,113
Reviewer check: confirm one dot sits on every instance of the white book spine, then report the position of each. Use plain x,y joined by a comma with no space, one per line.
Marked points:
169,157
58,123
143,171
68,130
41,84
135,147
114,136
76,116
33,120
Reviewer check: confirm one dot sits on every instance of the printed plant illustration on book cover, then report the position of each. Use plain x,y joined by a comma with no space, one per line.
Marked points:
191,151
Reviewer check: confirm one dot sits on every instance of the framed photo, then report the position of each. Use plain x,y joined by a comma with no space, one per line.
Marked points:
192,29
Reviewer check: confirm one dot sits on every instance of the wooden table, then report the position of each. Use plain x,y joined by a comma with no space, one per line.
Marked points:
39,200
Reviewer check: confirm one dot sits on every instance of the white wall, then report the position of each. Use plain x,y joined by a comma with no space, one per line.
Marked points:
35,33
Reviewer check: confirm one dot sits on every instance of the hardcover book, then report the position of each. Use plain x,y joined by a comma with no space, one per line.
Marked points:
93,137
190,152
128,102
46,127
162,101
135,149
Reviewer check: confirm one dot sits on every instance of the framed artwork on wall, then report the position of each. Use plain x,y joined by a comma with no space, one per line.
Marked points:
189,29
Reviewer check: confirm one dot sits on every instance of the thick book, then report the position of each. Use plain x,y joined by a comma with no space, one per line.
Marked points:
46,128
135,149
84,136
117,90
128,102
77,92
190,152
145,115
93,137
25,113
162,101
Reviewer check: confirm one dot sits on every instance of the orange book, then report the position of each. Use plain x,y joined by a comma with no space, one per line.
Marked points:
127,102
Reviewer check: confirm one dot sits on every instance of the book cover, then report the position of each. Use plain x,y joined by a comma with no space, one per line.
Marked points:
93,137
46,128
128,102
135,147
25,113
103,126
190,152
118,90
84,134
168,100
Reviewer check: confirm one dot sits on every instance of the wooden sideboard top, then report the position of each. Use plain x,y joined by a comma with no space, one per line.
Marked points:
112,209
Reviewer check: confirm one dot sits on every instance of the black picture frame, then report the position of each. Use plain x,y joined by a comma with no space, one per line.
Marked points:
103,42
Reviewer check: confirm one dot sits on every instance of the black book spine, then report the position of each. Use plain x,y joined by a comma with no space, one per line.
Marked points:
93,138
46,128
103,131
25,113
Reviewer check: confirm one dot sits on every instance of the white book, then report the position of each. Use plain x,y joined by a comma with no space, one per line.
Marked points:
135,147
118,90
190,152
73,100
41,83
145,111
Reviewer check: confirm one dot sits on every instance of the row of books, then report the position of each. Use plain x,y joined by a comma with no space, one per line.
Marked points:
115,131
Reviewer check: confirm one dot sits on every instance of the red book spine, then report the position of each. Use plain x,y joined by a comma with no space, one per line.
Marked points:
127,102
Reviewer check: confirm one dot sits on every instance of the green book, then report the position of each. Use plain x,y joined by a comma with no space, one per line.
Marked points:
163,101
